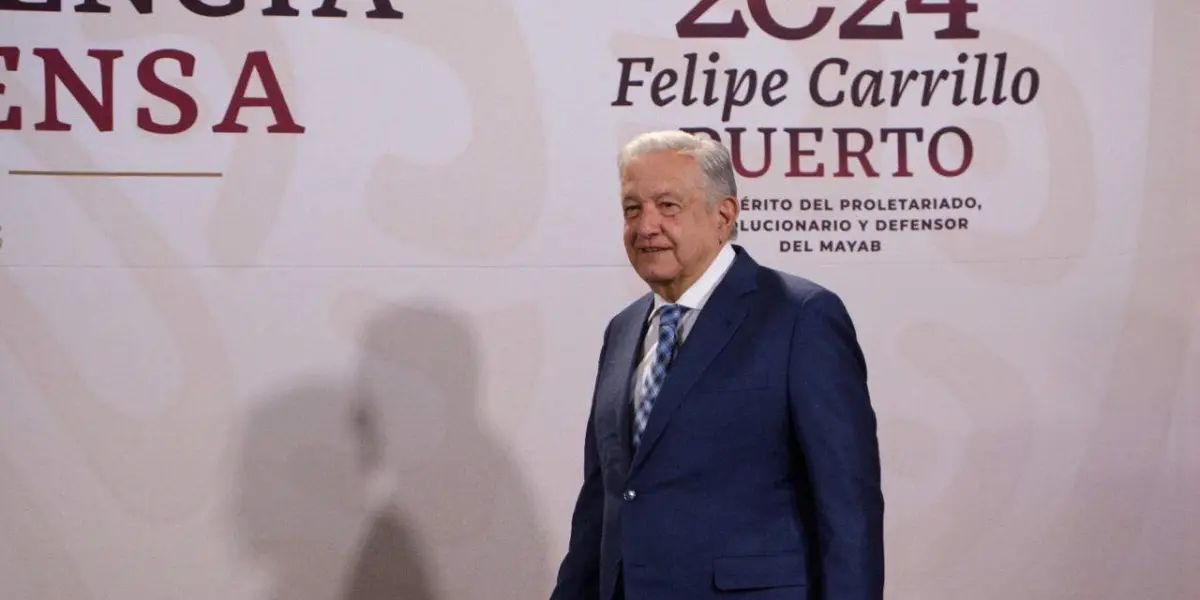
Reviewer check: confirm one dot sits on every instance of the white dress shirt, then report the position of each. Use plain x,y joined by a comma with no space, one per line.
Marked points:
693,299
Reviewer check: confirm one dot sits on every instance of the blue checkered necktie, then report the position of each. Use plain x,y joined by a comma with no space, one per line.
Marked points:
669,316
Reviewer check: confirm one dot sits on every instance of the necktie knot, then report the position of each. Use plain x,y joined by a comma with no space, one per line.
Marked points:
669,315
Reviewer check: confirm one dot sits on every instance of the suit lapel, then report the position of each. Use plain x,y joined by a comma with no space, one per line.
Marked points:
626,349
720,318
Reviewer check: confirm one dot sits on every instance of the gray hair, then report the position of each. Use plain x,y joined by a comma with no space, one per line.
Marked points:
712,157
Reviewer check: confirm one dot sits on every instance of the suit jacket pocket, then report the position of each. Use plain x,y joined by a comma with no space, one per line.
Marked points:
732,573
739,381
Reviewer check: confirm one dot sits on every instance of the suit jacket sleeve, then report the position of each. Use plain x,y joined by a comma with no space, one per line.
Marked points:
835,427
579,572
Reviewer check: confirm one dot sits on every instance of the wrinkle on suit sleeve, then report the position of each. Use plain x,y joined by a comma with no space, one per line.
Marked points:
835,426
579,572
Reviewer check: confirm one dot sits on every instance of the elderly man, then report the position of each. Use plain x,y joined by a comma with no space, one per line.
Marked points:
731,448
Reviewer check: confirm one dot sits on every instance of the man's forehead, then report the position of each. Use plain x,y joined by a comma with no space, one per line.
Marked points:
665,160
665,176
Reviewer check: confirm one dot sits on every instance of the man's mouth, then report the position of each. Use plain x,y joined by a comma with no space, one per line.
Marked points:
652,250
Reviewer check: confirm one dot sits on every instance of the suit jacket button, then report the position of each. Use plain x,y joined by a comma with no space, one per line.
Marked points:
630,495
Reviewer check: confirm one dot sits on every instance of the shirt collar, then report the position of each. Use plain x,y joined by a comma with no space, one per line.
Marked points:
697,295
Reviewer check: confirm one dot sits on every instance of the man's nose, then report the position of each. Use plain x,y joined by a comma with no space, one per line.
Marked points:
648,223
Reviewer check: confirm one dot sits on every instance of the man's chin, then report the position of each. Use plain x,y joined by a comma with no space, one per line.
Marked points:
656,276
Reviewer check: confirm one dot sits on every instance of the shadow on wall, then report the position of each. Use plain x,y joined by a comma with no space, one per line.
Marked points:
389,487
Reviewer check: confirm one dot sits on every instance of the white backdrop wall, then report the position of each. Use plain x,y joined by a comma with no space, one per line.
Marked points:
347,353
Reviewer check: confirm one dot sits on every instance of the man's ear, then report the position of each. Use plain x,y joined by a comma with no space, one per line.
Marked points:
728,211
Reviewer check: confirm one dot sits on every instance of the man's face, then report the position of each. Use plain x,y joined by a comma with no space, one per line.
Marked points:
671,234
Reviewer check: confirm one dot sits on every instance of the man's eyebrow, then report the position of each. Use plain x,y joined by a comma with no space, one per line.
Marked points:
654,197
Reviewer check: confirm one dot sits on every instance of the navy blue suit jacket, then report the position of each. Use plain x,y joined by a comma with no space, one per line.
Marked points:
758,473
